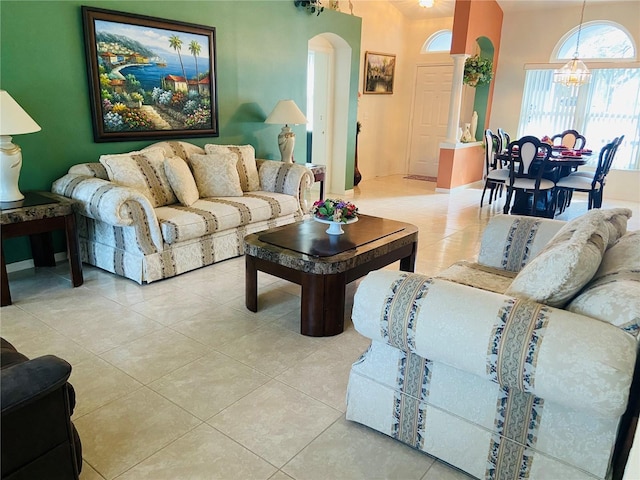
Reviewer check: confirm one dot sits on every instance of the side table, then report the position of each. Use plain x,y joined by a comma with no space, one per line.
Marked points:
37,216
319,172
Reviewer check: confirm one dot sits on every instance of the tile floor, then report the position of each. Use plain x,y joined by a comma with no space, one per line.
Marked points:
178,380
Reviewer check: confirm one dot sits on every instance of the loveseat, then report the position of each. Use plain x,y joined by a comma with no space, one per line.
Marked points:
174,206
518,365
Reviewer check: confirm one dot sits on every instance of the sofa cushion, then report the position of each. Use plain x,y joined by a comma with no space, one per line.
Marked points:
478,276
216,175
246,165
613,294
143,171
566,264
181,180
216,214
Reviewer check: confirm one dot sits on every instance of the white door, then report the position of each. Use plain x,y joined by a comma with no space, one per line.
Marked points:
319,101
430,118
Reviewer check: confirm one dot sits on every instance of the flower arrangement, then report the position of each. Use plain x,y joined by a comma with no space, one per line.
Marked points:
334,210
477,71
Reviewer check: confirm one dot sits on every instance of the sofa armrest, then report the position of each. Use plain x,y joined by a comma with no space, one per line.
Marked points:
509,242
27,382
114,205
94,169
554,354
288,178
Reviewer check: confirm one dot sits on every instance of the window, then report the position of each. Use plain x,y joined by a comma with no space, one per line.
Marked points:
438,42
597,40
606,107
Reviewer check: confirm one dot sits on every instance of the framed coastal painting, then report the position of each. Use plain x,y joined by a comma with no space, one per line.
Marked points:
379,70
149,78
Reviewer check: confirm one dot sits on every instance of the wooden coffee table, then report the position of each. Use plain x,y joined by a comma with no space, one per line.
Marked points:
303,253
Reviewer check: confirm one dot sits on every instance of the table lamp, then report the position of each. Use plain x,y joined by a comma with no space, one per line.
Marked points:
286,112
13,121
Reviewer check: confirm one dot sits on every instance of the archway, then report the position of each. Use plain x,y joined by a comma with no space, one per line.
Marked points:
481,99
330,77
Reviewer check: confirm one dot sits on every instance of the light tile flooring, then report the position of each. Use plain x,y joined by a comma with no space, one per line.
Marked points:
178,380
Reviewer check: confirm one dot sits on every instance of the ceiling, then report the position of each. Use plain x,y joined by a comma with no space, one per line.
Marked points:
444,8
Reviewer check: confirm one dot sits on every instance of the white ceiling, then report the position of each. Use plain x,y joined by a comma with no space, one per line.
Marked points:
444,8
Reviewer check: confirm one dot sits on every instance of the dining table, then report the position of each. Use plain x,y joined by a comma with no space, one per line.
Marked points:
562,162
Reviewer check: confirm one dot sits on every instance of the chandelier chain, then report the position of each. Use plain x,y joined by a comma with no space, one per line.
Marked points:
584,3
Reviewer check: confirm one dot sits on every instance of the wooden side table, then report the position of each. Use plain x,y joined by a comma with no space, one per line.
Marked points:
319,172
37,216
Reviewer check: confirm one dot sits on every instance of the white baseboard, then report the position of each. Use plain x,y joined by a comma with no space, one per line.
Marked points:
27,264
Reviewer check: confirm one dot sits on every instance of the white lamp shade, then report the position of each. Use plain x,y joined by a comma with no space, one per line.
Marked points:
286,112
13,119
574,72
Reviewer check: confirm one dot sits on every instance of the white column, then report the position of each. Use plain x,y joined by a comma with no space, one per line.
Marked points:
456,96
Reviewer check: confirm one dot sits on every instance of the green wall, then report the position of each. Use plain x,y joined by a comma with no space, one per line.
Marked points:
261,49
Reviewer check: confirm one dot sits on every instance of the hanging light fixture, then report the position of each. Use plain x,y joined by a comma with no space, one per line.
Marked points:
425,3
575,72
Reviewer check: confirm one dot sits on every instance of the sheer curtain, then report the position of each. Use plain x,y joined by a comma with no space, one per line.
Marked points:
606,107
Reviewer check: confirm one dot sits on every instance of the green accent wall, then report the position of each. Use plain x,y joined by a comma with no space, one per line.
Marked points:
261,49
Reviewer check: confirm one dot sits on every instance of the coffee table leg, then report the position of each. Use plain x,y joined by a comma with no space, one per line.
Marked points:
251,284
322,309
408,264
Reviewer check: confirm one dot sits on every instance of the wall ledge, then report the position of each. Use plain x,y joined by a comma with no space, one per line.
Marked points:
459,145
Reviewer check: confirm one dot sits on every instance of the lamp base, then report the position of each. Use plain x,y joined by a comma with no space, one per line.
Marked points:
286,142
10,165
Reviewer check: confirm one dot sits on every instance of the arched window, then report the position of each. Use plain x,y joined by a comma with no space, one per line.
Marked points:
601,110
438,42
598,40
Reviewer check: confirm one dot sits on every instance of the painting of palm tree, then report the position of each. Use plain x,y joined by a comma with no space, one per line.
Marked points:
141,86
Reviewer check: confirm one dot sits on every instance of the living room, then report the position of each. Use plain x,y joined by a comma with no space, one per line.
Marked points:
256,66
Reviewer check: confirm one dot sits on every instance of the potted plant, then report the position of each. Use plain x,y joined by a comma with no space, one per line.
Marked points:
477,71
312,6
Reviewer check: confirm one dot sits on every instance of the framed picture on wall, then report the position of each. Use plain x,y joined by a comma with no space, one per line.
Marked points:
379,70
149,78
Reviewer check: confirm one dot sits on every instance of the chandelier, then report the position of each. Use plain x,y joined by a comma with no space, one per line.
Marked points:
425,3
574,72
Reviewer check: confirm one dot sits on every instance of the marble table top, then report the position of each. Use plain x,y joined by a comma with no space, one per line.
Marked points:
35,206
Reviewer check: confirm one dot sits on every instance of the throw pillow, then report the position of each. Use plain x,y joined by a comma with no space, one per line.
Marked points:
181,180
566,264
246,166
612,295
143,171
216,175
177,149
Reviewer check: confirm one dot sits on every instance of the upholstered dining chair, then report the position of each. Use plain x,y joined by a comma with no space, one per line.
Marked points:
592,182
495,176
529,161
569,139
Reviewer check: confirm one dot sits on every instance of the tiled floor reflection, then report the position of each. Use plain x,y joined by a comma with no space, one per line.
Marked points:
177,380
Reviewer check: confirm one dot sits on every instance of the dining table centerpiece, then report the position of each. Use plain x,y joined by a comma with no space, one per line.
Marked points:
334,213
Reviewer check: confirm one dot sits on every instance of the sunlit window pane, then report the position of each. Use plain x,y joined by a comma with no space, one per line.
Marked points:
440,42
598,41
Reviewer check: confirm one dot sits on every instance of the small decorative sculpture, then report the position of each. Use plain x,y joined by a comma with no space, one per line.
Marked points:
466,136
474,124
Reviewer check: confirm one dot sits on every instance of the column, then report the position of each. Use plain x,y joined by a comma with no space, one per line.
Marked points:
456,96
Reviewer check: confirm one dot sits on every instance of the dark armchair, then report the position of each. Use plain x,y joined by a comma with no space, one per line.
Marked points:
38,438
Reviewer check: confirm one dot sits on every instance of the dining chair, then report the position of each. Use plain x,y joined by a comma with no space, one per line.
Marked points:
594,185
505,140
570,139
529,161
495,176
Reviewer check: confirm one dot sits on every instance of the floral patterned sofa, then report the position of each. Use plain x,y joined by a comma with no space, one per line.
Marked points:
174,207
519,365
